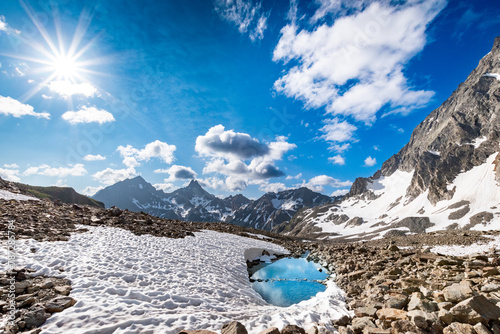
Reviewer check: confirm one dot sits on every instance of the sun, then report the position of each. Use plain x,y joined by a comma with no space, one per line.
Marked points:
61,60
65,67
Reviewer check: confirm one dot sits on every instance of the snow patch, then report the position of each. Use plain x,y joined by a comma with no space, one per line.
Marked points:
124,283
492,75
460,250
7,195
478,141
434,152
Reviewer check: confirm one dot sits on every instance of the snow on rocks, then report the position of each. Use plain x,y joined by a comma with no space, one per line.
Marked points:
124,283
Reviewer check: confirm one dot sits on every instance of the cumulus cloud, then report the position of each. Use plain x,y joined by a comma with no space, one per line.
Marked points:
370,162
165,187
10,173
317,183
240,157
157,149
11,166
354,67
350,57
246,15
222,143
296,177
337,131
88,115
90,157
46,170
177,172
66,88
111,176
12,107
339,192
337,160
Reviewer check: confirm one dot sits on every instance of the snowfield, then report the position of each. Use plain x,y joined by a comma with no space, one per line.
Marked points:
125,283
477,187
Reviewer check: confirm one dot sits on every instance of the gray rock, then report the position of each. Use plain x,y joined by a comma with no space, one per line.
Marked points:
476,309
59,304
359,323
457,292
35,318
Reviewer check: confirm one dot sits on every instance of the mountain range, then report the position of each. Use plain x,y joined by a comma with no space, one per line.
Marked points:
193,203
446,177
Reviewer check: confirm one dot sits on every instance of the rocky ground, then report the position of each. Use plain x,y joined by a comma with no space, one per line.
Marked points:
36,299
394,285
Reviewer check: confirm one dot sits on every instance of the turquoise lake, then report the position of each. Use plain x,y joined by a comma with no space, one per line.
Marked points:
288,281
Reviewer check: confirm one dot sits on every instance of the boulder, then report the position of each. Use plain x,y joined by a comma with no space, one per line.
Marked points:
233,327
457,292
291,329
35,318
476,309
481,329
59,304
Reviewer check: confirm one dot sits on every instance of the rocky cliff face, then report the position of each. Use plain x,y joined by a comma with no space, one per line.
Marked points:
431,175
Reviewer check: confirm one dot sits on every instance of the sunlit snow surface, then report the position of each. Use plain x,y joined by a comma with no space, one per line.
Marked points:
477,186
461,250
143,284
7,195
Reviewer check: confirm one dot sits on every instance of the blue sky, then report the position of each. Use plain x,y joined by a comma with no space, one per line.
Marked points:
245,96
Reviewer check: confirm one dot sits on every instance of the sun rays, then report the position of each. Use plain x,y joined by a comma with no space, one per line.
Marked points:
64,68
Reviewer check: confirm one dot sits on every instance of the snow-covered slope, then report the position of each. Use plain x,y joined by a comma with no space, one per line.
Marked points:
447,176
125,283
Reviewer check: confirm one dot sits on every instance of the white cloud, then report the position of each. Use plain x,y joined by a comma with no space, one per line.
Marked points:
10,174
246,15
12,107
88,115
213,183
14,166
166,187
296,177
6,28
370,162
66,88
355,65
46,170
90,157
156,149
111,176
272,187
317,183
337,160
339,192
46,97
336,131
177,172
339,148
90,191
227,152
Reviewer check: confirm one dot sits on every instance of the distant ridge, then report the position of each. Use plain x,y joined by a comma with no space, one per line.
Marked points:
63,194
193,203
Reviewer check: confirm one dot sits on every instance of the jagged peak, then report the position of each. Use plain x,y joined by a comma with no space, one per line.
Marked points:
194,184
